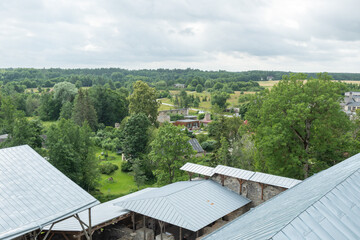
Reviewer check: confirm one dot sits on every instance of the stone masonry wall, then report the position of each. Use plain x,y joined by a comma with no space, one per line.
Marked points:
164,116
250,190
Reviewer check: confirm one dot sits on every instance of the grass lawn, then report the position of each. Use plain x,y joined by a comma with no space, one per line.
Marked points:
123,183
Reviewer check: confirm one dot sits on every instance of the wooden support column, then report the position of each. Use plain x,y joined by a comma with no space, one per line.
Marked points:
190,175
89,228
241,181
144,225
180,233
161,224
133,220
262,190
222,180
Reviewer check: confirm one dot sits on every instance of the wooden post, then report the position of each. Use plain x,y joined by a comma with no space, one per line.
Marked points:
161,229
133,220
262,191
222,180
90,231
144,227
180,233
241,181
190,175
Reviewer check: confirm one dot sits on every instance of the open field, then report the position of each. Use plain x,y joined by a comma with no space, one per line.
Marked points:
270,84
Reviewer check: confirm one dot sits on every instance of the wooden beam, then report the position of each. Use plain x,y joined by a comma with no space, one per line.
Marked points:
241,181
89,228
133,220
180,233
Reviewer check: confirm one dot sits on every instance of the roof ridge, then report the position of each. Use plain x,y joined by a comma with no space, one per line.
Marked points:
325,194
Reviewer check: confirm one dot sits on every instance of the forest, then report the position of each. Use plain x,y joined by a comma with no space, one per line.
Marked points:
83,120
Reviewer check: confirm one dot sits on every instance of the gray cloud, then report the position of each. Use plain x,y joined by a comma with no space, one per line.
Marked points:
233,35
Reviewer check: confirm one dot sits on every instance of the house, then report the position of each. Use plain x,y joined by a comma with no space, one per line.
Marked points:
34,194
351,102
324,206
188,123
164,116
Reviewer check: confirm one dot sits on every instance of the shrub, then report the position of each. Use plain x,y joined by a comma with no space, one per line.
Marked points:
209,145
126,166
108,168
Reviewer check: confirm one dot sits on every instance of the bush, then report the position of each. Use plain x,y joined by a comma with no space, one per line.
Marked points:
175,117
126,166
202,137
209,145
108,168
201,116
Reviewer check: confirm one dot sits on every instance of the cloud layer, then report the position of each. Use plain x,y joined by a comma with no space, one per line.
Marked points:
235,35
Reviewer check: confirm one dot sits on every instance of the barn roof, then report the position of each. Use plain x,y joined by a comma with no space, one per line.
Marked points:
324,206
34,194
190,204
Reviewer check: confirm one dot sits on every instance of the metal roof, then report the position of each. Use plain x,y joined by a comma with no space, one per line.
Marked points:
196,145
99,214
197,168
324,206
259,177
191,204
34,194
274,180
233,172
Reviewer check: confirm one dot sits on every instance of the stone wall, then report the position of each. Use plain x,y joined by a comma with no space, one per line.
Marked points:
250,190
164,116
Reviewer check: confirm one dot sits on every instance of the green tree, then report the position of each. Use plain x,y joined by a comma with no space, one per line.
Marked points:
143,100
66,110
223,154
219,98
71,150
199,88
7,114
65,92
111,106
169,151
84,110
49,107
299,125
136,136
138,172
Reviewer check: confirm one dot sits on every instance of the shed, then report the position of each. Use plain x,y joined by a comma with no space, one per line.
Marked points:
190,204
34,194
196,145
324,206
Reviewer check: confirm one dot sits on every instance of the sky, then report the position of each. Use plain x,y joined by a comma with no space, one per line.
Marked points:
233,35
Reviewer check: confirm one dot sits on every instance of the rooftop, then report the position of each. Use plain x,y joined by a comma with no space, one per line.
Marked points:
324,206
34,194
190,204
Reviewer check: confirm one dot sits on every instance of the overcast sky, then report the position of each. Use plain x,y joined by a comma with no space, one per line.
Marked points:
234,35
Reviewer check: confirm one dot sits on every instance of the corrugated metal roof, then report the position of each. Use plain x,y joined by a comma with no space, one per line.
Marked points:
274,180
242,174
196,145
33,193
197,168
99,214
324,206
233,172
191,205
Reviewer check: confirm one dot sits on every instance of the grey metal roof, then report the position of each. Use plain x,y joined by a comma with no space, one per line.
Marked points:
187,120
34,194
197,168
259,177
191,205
196,145
233,172
324,206
274,180
99,214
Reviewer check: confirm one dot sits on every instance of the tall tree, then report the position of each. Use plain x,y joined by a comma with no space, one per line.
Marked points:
65,92
169,151
136,136
111,106
300,128
72,151
84,110
143,100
